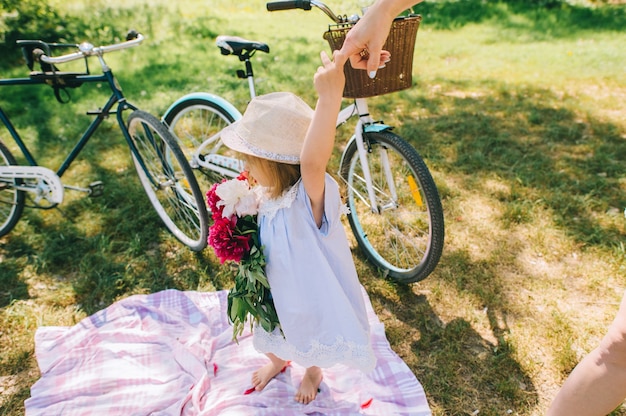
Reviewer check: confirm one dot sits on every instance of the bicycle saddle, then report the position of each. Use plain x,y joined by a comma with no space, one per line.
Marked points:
239,46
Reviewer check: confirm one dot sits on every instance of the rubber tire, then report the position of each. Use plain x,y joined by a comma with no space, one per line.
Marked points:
408,226
179,203
16,202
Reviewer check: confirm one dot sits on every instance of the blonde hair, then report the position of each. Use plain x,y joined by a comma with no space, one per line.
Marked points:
282,176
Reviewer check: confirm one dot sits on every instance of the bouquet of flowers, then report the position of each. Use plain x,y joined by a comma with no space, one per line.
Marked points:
235,239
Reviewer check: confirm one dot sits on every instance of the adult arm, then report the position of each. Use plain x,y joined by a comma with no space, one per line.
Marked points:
598,383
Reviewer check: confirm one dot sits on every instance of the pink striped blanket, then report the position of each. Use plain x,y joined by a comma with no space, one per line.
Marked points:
171,353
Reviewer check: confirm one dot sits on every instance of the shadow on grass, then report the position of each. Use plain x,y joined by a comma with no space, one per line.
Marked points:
490,364
107,247
18,389
457,366
12,283
552,159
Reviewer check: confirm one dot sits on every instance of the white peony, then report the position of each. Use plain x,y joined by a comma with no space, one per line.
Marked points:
236,198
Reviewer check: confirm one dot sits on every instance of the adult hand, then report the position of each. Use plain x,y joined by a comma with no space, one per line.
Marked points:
364,42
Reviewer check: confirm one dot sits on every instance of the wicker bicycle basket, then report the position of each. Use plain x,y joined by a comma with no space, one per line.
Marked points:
396,75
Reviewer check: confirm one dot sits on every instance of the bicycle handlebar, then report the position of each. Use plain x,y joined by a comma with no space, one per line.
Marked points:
305,5
87,49
288,5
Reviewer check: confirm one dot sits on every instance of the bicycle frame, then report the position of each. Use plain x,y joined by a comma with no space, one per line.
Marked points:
395,214
162,167
116,98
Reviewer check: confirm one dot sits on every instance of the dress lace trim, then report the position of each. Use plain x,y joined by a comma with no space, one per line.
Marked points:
269,207
318,354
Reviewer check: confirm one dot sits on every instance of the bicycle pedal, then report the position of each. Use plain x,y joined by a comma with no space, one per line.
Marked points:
96,189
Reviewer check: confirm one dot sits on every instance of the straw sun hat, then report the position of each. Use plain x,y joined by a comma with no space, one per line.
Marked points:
273,127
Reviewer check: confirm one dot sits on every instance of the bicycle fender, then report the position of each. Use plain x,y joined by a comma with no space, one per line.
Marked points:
370,128
208,97
376,128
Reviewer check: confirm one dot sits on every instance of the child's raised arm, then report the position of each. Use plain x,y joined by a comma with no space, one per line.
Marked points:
318,144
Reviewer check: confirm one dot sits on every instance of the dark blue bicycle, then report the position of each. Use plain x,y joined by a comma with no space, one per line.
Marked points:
161,165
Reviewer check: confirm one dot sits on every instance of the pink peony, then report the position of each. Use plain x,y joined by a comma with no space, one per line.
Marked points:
226,242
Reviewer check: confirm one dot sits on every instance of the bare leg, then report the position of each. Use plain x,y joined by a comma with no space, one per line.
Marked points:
598,383
310,383
263,375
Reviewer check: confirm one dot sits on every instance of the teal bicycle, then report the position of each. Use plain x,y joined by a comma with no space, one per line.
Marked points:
395,212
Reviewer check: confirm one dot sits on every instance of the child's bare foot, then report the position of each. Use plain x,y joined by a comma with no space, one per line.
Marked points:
263,375
310,383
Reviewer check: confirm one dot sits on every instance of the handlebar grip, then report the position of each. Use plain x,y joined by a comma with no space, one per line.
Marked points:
288,5
132,35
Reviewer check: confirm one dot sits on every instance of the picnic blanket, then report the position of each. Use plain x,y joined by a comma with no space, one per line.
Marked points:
171,353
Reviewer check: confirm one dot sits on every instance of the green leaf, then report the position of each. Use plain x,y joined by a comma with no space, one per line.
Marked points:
250,298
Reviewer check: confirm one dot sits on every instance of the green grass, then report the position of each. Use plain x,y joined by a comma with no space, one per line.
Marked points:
519,113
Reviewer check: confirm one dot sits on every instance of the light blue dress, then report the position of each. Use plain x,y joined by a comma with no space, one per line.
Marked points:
314,284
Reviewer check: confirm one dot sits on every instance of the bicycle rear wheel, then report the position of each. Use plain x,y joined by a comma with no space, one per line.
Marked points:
405,237
196,123
168,180
11,200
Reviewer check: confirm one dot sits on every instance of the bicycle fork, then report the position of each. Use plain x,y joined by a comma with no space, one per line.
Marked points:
364,125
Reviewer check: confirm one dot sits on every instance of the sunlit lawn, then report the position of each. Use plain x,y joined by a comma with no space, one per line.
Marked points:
520,117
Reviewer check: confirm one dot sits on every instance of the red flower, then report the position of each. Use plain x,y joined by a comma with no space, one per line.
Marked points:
212,199
227,243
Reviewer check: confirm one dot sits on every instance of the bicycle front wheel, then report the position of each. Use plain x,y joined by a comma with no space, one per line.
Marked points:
197,123
168,180
403,233
11,200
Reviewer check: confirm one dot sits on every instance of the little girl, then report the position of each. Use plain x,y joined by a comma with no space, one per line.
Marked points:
314,284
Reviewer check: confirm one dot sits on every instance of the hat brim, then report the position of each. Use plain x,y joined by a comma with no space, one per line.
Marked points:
232,138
